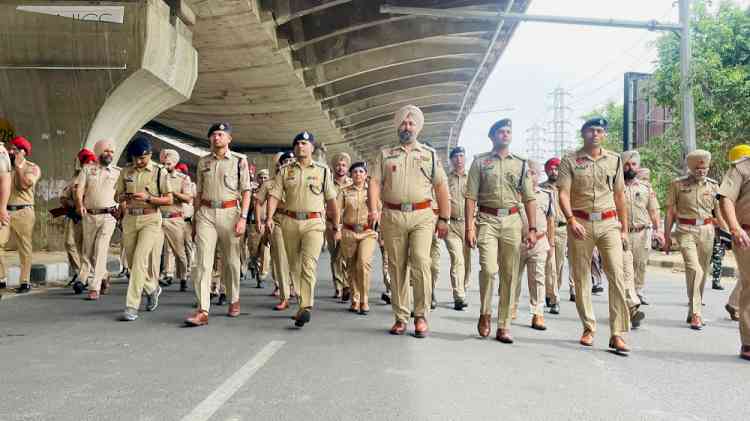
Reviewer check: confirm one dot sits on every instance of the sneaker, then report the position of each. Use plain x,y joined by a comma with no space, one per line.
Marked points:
152,300
129,315
385,298
554,309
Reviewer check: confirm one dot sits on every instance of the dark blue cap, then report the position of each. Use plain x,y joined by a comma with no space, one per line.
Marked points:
506,122
359,164
285,156
595,122
457,150
225,127
138,147
303,136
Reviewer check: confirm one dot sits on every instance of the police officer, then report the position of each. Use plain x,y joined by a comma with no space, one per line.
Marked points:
73,226
592,197
95,202
735,156
173,217
534,260
405,177
5,181
188,209
359,240
498,185
692,204
141,188
257,245
558,247
458,250
341,179
307,188
223,197
734,197
24,176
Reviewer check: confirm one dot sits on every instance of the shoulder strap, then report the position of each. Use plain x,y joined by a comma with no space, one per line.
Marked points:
523,175
239,162
158,181
432,151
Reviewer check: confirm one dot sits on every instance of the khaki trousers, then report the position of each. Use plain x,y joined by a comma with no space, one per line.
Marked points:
174,233
21,227
640,245
97,233
280,264
460,255
216,227
358,255
628,276
303,241
386,273
435,261
743,264
338,266
141,233
696,246
534,262
734,297
189,245
554,268
499,243
74,244
407,237
605,236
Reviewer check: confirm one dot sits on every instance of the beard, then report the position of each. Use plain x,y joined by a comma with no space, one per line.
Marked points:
105,159
630,174
552,178
405,136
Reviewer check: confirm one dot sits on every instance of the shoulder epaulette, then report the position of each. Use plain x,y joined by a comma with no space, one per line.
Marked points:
711,180
521,157
683,178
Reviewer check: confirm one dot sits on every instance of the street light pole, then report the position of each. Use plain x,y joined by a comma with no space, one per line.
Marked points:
688,116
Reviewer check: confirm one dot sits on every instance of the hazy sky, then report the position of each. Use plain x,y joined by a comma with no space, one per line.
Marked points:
587,61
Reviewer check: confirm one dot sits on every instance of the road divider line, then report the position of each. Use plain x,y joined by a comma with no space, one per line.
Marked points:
206,409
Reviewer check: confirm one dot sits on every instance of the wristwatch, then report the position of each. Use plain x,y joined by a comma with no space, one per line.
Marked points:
532,229
446,220
337,227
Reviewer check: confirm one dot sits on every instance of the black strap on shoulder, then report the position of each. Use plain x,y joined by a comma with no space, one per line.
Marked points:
158,181
325,178
239,162
523,175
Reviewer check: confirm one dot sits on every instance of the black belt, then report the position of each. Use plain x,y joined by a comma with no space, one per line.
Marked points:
457,219
189,219
100,211
18,207
562,224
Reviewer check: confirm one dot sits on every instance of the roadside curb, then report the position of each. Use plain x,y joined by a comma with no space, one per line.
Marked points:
54,273
728,271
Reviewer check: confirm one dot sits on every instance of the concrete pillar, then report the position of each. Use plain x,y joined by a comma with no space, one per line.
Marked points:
68,81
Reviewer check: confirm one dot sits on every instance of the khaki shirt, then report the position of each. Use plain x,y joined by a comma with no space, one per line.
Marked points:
592,182
408,176
5,165
19,196
736,187
693,199
353,203
188,209
559,217
305,189
544,209
498,182
640,199
180,183
98,184
142,180
457,188
68,192
222,179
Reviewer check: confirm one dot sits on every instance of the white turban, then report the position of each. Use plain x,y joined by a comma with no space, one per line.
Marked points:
631,155
170,154
409,110
342,156
101,145
698,157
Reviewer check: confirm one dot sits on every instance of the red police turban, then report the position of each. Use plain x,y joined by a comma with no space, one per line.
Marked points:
181,167
85,156
22,143
551,163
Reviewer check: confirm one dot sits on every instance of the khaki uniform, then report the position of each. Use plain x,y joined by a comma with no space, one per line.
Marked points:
279,262
141,227
455,241
592,184
73,230
98,184
556,259
358,240
5,168
435,249
21,219
408,178
534,260
339,271
173,222
257,245
219,180
693,200
305,190
641,199
499,183
736,186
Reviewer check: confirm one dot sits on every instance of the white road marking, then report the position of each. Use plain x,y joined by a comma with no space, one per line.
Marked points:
206,409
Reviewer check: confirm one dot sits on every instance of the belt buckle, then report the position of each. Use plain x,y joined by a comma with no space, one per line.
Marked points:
699,222
300,215
595,216
359,228
503,212
216,204
407,207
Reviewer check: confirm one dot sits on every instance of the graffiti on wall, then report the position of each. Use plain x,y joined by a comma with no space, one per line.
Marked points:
48,189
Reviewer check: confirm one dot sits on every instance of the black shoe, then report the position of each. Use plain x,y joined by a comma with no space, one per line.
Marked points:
597,289
165,282
386,298
643,300
24,288
546,302
302,318
346,294
183,285
459,305
717,286
433,304
259,285
572,298
554,309
636,318
222,299
3,285
78,287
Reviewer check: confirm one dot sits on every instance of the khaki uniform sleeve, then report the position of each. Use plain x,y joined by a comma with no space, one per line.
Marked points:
5,166
564,175
80,180
472,182
33,172
277,189
198,180
731,184
618,186
120,185
244,176
330,192
672,195
376,171
186,186
653,202
527,192
164,182
440,177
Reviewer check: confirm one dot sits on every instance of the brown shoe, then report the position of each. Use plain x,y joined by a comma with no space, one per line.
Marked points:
732,312
420,327
199,318
696,323
618,344
283,305
104,290
484,325
234,309
587,339
745,352
537,322
503,335
399,328
92,296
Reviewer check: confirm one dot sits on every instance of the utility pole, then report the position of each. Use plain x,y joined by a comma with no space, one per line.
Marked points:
559,125
535,140
688,114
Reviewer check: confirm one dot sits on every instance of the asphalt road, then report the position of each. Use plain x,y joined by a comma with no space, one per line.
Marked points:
62,358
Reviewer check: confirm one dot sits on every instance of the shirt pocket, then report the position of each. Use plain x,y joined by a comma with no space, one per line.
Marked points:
315,184
231,181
